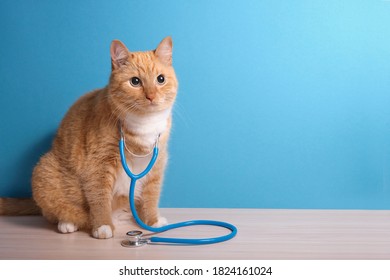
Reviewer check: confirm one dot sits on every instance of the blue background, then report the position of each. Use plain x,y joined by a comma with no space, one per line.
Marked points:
282,104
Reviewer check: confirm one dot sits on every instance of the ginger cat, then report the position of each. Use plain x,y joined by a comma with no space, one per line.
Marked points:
80,182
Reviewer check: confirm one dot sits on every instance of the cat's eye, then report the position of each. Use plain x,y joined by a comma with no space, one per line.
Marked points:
135,82
160,79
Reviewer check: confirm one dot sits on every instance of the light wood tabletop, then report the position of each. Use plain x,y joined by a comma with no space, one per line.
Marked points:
262,234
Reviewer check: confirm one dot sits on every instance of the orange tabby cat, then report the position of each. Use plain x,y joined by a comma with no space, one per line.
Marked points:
80,183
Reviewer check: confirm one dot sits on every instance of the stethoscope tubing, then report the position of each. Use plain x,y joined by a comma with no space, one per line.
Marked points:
156,239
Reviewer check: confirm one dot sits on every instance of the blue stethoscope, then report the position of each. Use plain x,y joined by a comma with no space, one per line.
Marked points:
135,238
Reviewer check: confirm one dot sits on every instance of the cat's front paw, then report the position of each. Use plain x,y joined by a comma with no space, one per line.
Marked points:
65,227
102,232
161,221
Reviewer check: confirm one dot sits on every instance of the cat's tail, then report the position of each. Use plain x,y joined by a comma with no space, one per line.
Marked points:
18,207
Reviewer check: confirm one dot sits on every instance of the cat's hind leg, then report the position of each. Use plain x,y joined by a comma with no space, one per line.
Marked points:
59,195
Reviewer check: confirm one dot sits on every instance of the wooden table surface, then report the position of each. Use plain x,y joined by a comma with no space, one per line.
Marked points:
262,234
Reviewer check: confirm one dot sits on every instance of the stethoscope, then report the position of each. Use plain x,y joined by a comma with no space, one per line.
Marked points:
136,238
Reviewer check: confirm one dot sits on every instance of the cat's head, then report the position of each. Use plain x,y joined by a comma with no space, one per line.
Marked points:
142,82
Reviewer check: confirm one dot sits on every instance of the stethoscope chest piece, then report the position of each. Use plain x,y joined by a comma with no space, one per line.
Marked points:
134,239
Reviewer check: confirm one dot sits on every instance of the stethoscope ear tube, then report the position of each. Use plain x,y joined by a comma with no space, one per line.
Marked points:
156,239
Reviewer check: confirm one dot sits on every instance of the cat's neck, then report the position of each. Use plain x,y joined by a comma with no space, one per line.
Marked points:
147,127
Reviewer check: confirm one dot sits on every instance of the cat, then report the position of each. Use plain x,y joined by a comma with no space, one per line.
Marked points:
80,182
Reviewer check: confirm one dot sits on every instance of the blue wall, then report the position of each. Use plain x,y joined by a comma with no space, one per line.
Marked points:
282,104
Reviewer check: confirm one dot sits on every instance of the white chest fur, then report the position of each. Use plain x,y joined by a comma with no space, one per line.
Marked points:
122,182
148,127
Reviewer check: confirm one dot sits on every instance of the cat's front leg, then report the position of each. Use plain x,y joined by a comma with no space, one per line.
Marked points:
102,226
147,206
98,193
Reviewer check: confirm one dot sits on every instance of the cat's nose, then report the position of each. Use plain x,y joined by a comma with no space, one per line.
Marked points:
150,96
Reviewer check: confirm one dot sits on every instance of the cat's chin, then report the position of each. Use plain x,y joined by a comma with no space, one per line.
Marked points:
146,109
152,109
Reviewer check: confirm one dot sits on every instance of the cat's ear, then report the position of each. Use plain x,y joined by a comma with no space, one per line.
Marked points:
164,51
119,54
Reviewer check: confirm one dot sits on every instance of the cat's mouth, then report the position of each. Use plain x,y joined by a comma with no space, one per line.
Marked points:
151,103
145,106
155,104
152,107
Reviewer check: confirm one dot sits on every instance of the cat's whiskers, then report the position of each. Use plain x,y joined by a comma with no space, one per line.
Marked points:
178,109
118,113
112,118
115,116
